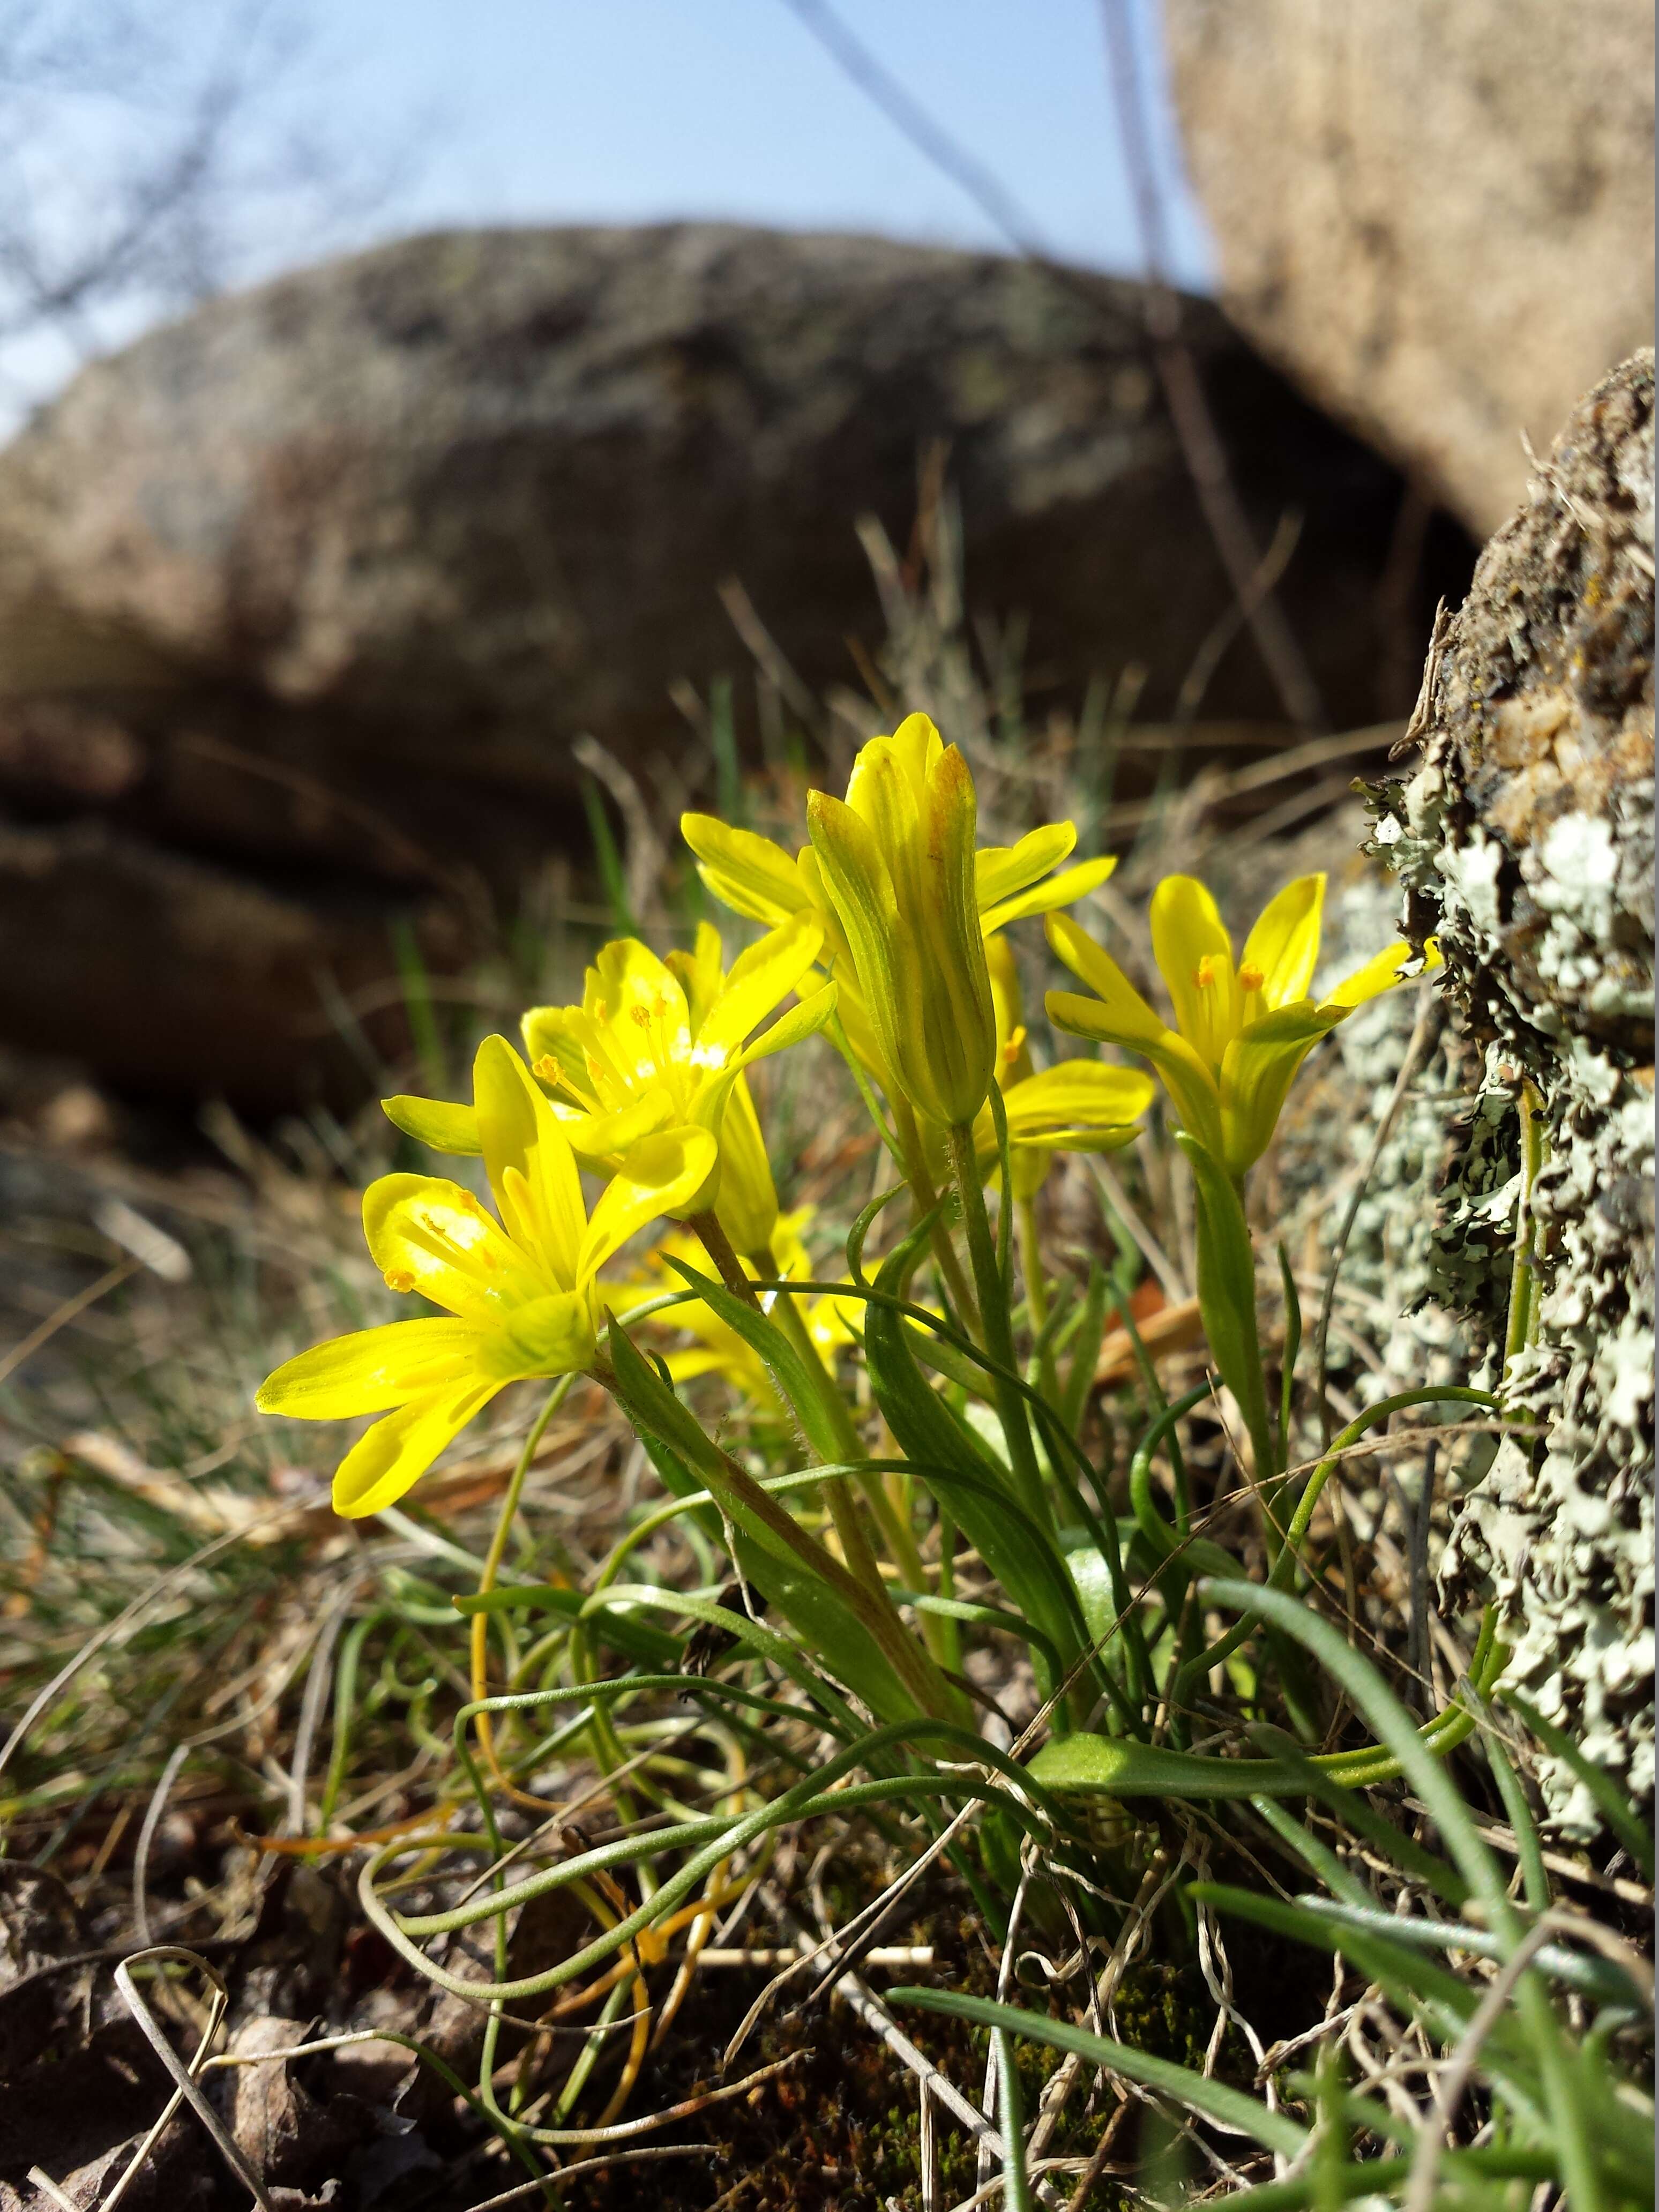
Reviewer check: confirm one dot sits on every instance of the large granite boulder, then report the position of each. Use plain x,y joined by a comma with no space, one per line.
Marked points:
316,587
1439,220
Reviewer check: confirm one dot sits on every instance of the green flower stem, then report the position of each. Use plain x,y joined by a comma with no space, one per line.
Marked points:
894,1530
705,1227
998,1332
1284,1565
1036,1298
926,1198
854,1544
864,1594
480,1642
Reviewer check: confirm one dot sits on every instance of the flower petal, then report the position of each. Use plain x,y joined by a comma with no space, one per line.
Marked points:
1000,870
1129,1020
916,746
431,1235
1063,889
748,1203
700,971
758,979
1382,973
642,993
1284,942
371,1370
750,874
804,1020
1189,1083
519,1131
662,1176
859,888
396,1452
1195,956
554,1046
434,1122
1257,1072
1080,1105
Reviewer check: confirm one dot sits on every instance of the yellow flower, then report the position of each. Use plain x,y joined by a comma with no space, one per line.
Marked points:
520,1290
1075,1106
718,1349
657,1045
1241,1031
897,861
756,878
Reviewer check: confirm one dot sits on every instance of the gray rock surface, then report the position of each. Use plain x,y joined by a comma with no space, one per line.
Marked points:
313,590
1524,840
486,483
1439,220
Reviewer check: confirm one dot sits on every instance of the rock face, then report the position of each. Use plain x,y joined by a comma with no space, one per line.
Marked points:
482,486
1525,842
1439,220
303,599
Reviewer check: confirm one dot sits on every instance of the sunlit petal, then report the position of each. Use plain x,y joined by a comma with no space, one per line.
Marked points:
1063,1105
699,972
544,1212
759,978
554,1047
748,1205
396,1452
371,1370
1382,973
662,1176
434,1122
1000,870
748,874
1063,889
432,1235
1257,1074
1283,948
1195,956
1130,1020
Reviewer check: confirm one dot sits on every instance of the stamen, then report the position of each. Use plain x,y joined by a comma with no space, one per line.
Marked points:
1015,1045
1208,972
399,1278
1250,977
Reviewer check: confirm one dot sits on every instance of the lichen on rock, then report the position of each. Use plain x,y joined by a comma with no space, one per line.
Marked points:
1524,841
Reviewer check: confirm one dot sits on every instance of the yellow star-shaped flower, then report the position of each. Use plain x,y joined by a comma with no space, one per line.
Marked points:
1241,1030
519,1286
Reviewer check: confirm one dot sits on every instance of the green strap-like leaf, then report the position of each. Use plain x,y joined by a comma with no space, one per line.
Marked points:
1214,2101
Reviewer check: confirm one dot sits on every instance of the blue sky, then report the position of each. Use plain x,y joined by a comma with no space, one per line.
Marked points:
633,110
609,111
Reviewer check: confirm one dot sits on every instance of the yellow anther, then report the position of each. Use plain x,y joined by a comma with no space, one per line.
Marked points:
547,1069
1015,1045
1250,977
642,1015
399,1278
1209,971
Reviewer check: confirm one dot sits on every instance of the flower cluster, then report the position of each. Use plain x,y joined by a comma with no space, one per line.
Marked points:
886,927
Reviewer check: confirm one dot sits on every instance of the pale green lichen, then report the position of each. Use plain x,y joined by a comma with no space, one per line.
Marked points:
1525,844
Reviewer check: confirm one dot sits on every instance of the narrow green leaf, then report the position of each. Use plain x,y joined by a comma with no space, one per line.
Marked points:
1213,2100
1227,1292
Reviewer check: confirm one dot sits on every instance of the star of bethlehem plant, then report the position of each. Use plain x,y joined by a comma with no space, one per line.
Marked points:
899,1458
1242,1030
887,928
